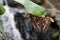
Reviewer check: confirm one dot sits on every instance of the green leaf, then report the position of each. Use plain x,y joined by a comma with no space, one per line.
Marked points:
2,30
33,8
2,10
1,27
56,34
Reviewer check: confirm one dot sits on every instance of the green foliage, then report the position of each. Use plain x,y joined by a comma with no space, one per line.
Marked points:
56,34
33,8
2,10
2,30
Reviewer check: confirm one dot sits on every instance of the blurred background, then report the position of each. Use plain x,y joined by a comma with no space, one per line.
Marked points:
18,27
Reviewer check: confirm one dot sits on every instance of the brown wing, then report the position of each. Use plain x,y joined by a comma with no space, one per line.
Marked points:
47,20
41,24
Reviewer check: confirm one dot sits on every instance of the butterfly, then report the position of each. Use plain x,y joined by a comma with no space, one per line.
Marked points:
40,23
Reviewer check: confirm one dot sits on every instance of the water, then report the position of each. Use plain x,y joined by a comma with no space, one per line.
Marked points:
9,25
